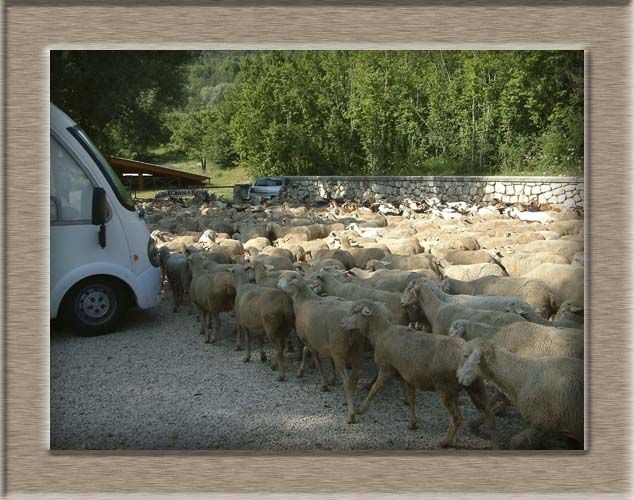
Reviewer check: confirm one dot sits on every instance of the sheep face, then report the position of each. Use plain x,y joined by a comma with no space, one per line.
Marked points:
358,317
469,370
408,297
458,328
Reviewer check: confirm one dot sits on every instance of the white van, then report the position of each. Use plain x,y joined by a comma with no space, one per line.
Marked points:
102,257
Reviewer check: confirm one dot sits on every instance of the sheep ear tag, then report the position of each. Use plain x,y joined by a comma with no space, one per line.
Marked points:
520,310
366,311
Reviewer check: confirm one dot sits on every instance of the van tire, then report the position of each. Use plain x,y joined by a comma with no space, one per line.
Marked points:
95,306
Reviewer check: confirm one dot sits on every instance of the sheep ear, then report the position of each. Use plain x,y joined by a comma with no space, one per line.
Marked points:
366,311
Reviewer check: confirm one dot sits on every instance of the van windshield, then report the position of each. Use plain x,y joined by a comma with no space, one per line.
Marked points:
113,179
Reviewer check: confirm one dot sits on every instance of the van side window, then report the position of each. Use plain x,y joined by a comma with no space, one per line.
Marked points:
71,190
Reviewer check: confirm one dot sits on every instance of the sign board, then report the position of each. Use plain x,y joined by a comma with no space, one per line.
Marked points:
181,193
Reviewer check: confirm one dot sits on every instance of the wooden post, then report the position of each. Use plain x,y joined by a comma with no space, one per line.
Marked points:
139,184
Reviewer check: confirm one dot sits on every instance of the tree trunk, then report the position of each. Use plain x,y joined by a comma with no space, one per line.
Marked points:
203,164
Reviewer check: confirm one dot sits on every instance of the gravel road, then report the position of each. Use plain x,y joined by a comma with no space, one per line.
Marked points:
155,384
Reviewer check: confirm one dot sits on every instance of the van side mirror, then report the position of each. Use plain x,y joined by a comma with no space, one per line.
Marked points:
99,213
99,206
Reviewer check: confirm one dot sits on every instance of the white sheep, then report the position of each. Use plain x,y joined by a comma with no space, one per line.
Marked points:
524,339
262,311
548,392
317,324
442,314
211,292
534,292
425,362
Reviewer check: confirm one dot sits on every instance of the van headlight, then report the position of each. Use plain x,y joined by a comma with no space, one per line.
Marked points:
153,253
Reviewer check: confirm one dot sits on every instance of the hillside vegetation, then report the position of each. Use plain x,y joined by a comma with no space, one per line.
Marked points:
333,112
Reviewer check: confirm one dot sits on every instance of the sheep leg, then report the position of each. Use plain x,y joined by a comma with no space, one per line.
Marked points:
300,350
238,329
209,326
279,360
369,385
385,374
215,318
348,387
300,370
247,344
525,439
333,368
324,383
411,401
477,394
455,417
261,346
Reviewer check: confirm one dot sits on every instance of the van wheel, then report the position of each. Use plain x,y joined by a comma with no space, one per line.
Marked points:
95,306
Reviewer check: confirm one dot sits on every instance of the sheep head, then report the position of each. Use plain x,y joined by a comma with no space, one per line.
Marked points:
473,364
458,328
445,285
518,308
358,317
408,297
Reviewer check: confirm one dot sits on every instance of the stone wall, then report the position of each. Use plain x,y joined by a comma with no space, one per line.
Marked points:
557,190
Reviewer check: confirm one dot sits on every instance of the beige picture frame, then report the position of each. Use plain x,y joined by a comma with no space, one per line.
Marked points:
602,29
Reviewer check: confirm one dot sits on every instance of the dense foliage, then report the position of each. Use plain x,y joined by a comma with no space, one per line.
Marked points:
120,97
366,112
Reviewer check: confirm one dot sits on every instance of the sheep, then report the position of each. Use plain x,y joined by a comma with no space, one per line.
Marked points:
570,311
361,256
410,262
463,257
565,281
535,293
262,310
425,362
487,302
207,239
164,255
305,268
179,276
391,280
317,322
524,339
519,263
267,275
309,247
403,246
276,262
260,243
350,291
564,248
211,292
231,248
341,255
548,392
470,272
442,314
278,252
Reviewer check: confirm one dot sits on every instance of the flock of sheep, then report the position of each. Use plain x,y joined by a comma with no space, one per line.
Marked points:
446,301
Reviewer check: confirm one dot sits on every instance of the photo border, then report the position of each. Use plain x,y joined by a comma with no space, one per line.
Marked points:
33,28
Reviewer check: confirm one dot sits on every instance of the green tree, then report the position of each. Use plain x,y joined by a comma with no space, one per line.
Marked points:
119,97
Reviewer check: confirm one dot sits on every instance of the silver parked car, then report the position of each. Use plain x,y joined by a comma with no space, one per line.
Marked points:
266,188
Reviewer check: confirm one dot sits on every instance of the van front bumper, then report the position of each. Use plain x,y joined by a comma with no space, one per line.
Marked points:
148,288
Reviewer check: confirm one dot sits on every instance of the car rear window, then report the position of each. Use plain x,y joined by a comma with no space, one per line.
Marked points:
268,182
